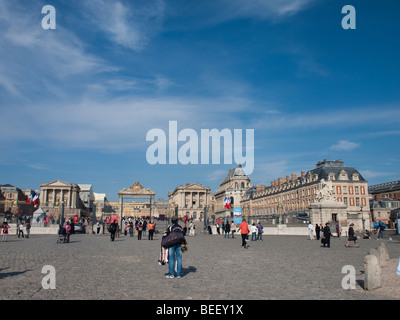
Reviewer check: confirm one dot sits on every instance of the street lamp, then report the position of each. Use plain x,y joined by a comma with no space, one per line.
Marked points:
362,219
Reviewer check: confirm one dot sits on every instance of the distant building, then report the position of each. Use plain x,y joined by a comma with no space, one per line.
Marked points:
86,195
295,194
190,199
233,187
56,193
390,190
385,202
13,200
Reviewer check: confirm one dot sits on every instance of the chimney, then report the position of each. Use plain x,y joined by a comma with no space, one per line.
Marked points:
294,176
287,179
303,174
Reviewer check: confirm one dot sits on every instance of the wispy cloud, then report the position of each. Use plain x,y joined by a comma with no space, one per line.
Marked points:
345,145
127,23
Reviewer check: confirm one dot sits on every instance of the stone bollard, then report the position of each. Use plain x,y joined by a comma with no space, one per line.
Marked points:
382,255
372,275
374,252
384,250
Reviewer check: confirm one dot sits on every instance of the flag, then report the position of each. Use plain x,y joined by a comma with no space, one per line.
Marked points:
32,198
35,198
227,202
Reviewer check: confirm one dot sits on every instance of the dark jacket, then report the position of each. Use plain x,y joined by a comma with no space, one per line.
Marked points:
327,232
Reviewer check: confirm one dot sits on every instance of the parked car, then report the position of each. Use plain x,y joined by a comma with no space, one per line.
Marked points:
79,228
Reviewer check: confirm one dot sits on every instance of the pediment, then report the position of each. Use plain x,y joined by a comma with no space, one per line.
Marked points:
57,184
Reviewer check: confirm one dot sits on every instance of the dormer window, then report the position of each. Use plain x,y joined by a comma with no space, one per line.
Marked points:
331,176
343,175
356,177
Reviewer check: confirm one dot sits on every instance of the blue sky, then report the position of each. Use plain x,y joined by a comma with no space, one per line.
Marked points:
77,102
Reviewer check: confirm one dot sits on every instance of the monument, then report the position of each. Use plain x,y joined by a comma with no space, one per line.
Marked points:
327,209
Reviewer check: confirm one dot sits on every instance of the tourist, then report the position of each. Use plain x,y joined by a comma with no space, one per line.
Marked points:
253,230
5,228
192,229
233,229
140,230
317,231
113,229
131,228
152,227
381,227
174,252
28,228
218,226
227,230
98,227
259,231
244,231
68,229
351,237
21,229
311,231
209,229
144,228
327,235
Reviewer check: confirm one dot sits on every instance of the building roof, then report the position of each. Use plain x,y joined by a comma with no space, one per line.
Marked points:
324,168
233,173
385,187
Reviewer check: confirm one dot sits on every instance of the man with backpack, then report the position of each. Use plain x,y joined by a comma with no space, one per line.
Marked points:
175,251
112,229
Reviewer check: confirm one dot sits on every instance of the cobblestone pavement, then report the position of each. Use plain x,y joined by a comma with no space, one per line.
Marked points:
92,267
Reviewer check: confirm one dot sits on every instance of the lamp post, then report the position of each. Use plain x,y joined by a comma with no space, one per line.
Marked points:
62,215
362,219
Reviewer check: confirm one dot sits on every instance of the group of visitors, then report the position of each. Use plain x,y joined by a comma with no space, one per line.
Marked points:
20,229
324,233
130,225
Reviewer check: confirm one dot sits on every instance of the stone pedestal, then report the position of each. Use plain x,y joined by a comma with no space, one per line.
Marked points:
326,211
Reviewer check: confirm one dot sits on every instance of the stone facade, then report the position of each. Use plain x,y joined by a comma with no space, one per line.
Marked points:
234,186
344,187
190,199
56,193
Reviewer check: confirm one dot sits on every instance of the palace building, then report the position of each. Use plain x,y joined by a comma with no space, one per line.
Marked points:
190,199
233,187
296,194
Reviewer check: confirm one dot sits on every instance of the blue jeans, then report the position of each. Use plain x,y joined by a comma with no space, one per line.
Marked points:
259,236
175,251
226,235
253,236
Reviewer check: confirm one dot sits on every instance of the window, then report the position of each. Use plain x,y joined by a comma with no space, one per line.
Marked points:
344,189
357,189
346,201
357,202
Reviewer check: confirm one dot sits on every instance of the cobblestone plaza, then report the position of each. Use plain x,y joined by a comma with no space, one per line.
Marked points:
91,267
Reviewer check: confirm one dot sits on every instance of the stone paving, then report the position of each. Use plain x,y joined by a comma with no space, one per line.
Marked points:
92,267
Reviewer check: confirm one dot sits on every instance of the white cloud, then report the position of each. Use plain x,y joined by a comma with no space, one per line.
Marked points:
345,145
128,23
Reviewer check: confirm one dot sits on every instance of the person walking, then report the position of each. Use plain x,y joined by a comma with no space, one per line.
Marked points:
233,229
68,230
311,231
112,229
244,231
259,231
192,229
253,230
152,227
351,237
327,235
175,252
381,228
98,227
131,228
5,228
21,229
227,230
317,231
144,232
140,230
28,228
